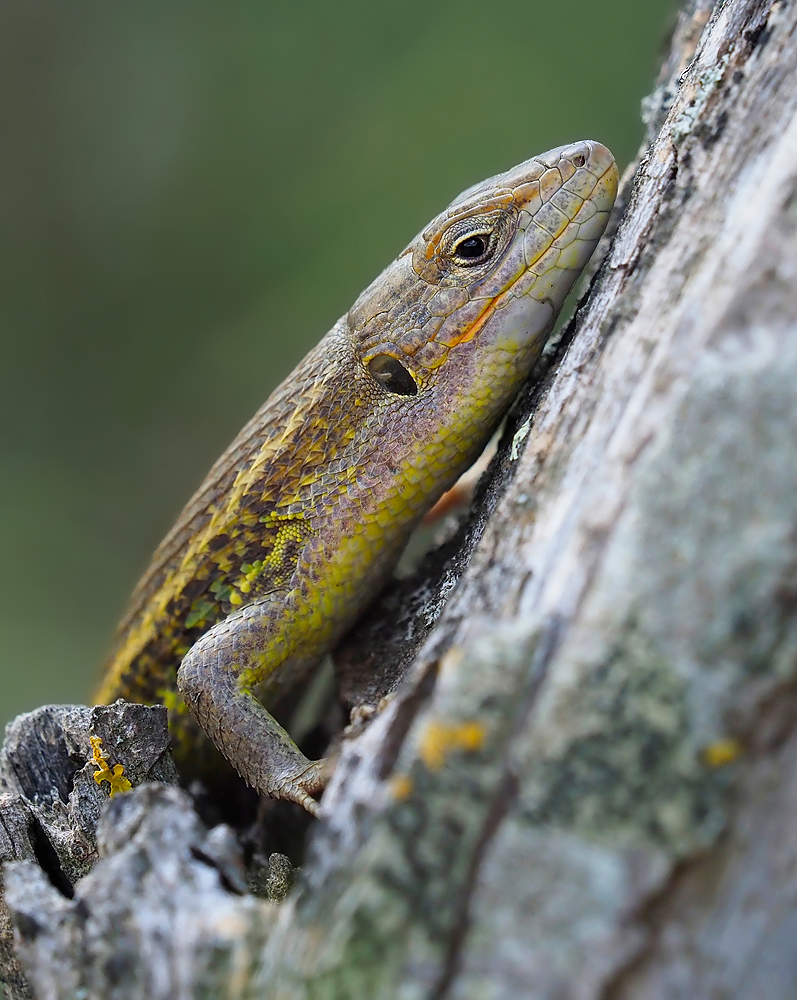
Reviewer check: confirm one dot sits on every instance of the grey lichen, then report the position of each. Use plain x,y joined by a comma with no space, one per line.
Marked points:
630,774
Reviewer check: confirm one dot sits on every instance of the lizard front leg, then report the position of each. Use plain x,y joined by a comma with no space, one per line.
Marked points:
218,678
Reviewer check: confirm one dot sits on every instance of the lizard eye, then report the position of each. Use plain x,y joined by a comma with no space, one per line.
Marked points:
474,248
391,373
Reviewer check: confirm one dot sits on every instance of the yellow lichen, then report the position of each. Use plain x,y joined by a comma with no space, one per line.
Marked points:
401,786
440,738
115,778
721,752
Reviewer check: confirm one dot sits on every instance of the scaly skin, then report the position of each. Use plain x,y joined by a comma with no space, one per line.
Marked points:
302,519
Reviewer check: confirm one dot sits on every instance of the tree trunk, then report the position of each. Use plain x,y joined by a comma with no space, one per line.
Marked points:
587,785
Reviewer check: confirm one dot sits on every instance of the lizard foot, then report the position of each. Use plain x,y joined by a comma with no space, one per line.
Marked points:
303,786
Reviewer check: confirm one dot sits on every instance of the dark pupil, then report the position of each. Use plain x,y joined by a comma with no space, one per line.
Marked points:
392,374
473,246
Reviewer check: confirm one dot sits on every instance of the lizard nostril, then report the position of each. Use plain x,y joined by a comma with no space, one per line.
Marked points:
579,160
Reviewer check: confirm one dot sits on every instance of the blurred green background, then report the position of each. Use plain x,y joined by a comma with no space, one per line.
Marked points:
190,195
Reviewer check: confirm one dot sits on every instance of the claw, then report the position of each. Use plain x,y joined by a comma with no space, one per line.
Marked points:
301,787
309,803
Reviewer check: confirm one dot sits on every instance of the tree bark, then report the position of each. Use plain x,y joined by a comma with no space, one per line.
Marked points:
586,786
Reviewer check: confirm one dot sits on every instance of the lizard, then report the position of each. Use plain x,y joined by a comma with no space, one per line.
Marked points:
302,519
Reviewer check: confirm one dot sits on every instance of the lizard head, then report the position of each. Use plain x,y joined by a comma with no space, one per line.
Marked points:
480,287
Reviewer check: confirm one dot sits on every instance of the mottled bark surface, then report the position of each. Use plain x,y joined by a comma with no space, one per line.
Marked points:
50,803
587,786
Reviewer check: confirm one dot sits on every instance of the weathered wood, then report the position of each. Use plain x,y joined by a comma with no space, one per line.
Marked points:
127,897
164,916
587,785
49,801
